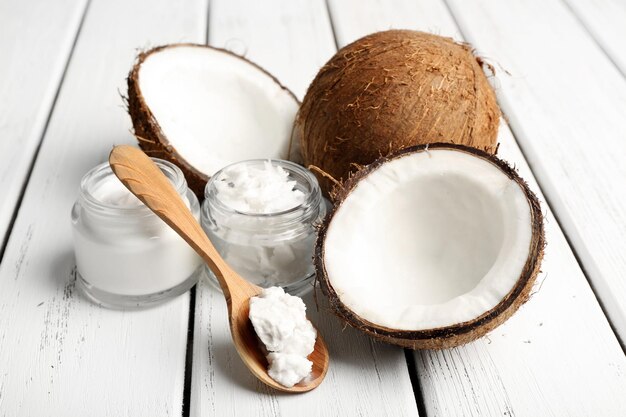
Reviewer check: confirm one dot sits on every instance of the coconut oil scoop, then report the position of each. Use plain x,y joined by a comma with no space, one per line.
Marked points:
144,179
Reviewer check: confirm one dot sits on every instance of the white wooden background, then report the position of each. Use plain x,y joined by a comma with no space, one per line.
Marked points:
561,67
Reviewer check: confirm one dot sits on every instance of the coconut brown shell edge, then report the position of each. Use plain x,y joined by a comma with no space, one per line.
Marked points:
149,134
461,333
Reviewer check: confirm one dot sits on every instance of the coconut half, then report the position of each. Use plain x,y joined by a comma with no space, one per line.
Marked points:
203,108
431,247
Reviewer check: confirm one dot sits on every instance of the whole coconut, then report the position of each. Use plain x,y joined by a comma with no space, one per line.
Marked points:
391,90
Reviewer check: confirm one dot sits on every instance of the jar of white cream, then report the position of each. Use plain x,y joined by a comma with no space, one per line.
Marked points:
126,256
261,216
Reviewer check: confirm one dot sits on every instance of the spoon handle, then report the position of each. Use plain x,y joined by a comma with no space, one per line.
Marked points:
145,180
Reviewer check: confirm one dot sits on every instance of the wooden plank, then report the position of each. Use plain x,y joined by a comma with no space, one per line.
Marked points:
35,44
60,354
557,355
352,19
364,378
290,39
606,21
566,103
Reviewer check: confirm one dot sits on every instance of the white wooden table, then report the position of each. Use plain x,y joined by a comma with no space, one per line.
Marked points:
561,84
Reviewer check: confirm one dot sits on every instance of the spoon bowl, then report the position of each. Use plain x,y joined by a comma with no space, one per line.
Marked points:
146,181
245,337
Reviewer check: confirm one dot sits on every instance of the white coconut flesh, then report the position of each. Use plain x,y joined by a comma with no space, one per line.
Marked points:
430,239
216,108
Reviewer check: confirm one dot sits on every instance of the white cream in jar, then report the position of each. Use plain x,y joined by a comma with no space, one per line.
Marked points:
261,216
125,255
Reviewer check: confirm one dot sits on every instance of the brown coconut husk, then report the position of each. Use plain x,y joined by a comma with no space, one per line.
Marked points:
391,90
461,333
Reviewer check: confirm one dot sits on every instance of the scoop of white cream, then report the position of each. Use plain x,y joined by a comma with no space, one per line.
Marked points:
279,320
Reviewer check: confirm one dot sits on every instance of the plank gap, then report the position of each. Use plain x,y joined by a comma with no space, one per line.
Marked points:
332,25
189,352
208,19
547,200
594,38
31,166
415,382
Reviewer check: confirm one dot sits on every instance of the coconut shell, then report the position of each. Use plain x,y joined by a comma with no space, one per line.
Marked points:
461,333
149,134
390,90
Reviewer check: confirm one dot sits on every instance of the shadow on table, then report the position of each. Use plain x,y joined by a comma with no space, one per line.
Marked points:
63,273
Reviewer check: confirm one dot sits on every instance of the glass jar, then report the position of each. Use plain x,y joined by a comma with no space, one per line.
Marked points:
126,256
269,249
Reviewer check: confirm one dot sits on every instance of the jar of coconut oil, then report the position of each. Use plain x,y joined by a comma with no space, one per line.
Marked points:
261,216
126,256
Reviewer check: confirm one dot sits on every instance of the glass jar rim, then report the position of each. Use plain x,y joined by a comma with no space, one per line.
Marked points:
103,170
314,192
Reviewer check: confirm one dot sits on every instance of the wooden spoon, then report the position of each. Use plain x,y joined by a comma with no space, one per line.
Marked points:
145,180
